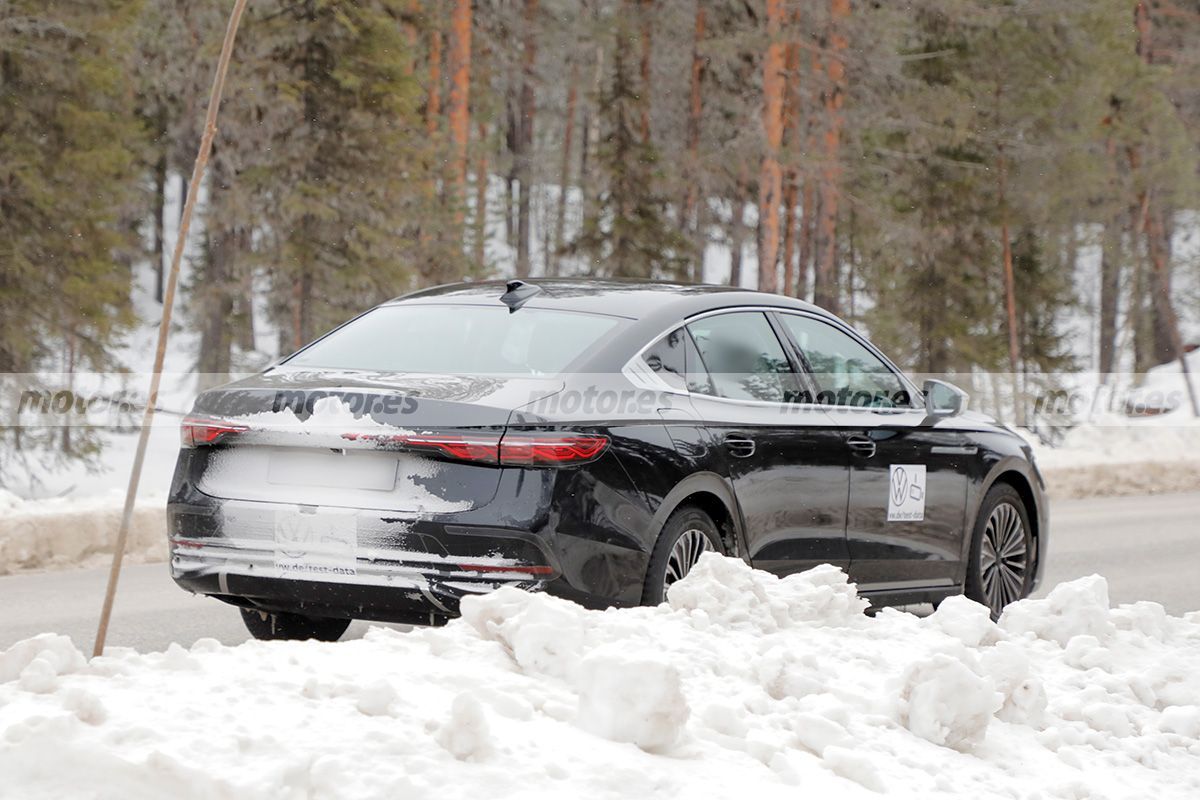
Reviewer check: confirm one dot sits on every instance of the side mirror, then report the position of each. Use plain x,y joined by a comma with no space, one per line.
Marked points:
943,399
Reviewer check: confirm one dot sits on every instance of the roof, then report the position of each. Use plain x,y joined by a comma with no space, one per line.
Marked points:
634,299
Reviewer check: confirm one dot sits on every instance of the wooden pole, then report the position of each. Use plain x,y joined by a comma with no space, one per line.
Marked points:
185,222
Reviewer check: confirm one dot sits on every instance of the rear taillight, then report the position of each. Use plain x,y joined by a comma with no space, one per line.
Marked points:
482,449
523,450
550,451
197,431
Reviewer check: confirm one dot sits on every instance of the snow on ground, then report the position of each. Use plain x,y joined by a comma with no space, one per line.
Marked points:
744,685
77,532
1113,454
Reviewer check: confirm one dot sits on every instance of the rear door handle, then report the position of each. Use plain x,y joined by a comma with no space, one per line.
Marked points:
739,446
861,446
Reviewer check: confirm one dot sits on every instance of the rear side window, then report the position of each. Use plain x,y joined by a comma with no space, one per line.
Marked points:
676,361
846,373
744,357
459,340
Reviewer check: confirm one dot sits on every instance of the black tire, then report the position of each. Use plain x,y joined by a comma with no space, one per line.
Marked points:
664,569
269,626
1002,526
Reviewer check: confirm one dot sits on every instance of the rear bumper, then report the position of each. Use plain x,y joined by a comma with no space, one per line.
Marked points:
401,570
415,601
408,568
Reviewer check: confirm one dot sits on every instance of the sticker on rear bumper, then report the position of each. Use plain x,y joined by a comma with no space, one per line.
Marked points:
906,492
315,546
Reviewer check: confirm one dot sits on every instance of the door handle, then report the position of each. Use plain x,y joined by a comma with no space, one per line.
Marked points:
739,446
861,446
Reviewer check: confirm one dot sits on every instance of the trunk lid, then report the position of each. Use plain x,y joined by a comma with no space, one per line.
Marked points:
337,438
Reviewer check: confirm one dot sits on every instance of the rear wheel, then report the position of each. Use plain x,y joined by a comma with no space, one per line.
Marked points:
272,625
688,534
1001,567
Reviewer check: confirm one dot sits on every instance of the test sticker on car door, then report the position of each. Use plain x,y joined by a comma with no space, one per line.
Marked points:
906,492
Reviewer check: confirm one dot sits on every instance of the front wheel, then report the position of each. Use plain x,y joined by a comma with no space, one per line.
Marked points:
688,534
269,625
1001,567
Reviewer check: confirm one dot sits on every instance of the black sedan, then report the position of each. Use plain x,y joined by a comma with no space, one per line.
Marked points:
590,439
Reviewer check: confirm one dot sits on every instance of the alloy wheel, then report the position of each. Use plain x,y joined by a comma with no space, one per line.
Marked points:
1003,557
686,551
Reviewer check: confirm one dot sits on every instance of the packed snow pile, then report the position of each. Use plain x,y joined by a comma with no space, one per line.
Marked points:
73,532
742,685
1113,454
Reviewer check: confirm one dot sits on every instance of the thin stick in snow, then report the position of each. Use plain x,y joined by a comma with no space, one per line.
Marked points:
135,474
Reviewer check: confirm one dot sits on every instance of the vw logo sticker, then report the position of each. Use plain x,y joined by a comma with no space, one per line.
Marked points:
906,492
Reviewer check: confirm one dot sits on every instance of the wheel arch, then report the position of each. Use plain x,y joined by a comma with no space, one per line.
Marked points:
712,495
1023,477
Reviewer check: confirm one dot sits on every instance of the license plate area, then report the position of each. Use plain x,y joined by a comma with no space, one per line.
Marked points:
317,545
374,472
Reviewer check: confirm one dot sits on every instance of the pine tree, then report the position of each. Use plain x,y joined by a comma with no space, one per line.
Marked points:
346,222
69,147
631,236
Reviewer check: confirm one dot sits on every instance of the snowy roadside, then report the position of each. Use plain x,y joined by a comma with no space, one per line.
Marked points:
1116,455
744,685
63,533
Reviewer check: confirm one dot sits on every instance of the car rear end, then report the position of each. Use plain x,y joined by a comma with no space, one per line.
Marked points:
328,489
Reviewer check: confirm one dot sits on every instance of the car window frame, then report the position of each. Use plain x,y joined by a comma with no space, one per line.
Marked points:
797,374
639,372
913,393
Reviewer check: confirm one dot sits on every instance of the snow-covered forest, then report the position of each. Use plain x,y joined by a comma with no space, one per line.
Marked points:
941,173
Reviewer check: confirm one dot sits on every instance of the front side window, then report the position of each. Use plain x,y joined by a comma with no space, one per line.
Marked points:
744,357
459,340
845,372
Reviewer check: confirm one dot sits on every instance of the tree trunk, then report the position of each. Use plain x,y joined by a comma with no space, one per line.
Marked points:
1161,292
244,305
411,35
214,291
302,309
851,263
591,142
512,140
791,141
825,291
481,197
429,266
1110,290
1138,316
433,102
647,43
459,109
770,176
790,196
809,195
564,182
737,229
524,160
808,209
160,202
691,164
1010,287
1163,318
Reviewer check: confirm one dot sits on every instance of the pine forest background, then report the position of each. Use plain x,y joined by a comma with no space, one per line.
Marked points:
1001,185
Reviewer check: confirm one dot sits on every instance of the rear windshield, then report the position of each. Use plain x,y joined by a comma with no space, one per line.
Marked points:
459,340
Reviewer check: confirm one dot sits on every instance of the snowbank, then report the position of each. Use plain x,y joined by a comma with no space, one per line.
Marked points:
75,532
1112,454
743,685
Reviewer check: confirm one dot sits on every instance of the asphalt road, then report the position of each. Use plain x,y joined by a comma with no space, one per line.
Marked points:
1147,547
